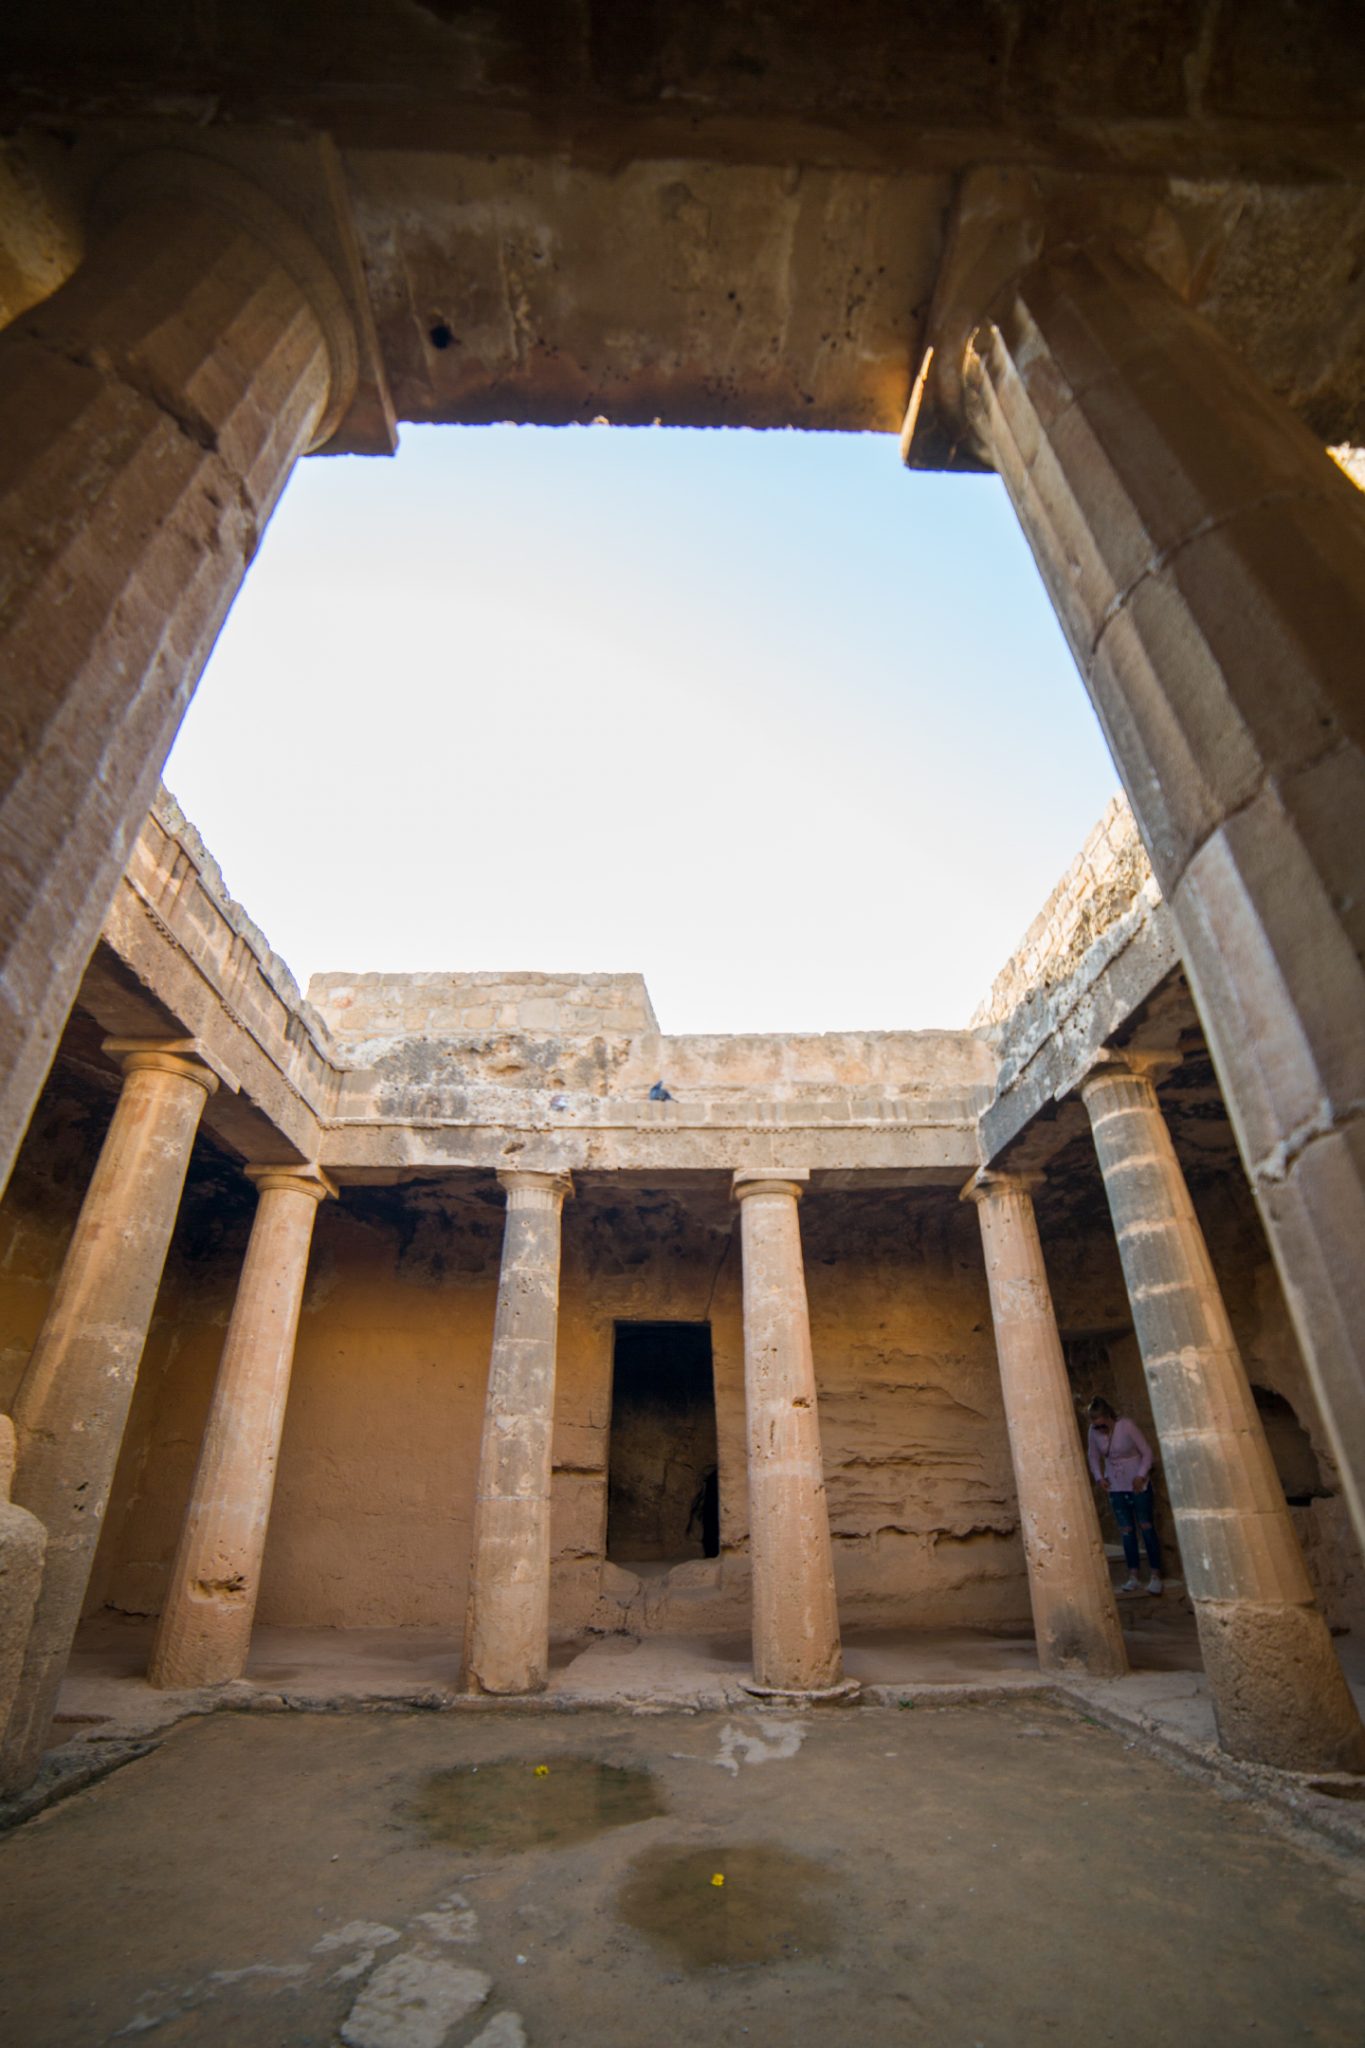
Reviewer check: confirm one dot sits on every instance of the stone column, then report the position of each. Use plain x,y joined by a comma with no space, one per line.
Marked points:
1207,562
796,1616
1075,1619
150,413
23,1539
204,1634
1278,1692
507,1629
72,1403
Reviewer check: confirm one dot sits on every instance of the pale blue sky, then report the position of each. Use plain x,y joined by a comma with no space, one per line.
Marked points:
786,728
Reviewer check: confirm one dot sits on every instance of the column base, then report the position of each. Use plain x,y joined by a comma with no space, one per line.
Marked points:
1279,1694
847,1689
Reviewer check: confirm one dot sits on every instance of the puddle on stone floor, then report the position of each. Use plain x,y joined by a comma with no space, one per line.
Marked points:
764,1912
519,1804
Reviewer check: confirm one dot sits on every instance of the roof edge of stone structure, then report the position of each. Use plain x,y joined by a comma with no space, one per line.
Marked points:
276,970
1098,890
390,1074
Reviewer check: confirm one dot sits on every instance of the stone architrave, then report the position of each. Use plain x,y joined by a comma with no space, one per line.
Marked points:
1075,1619
796,1646
507,1628
1278,1693
1207,562
151,411
204,1634
72,1403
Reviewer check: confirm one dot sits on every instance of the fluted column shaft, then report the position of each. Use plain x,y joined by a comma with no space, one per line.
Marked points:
1278,1691
1207,562
796,1646
507,1631
1075,1620
150,413
204,1634
72,1403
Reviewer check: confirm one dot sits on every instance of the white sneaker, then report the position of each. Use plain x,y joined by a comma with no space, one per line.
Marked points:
1154,1583
1130,1585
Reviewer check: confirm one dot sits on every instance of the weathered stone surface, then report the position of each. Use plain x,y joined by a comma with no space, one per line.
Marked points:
1207,563
796,1621
1097,951
507,1632
1266,1648
23,1540
73,1401
204,1634
716,219
384,1007
154,408
1075,1620
415,2000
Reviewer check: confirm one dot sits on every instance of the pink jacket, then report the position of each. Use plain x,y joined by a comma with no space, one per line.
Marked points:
1122,1462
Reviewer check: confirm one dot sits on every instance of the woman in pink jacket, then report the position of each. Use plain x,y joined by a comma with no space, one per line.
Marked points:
1121,1461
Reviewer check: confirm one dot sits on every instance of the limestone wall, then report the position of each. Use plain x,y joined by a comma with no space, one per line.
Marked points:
455,1005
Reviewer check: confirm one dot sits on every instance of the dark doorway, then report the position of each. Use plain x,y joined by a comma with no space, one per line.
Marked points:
663,1500
1291,1448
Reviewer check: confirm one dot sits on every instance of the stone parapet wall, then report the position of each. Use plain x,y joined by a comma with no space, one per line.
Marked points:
1108,876
156,863
442,1005
1096,954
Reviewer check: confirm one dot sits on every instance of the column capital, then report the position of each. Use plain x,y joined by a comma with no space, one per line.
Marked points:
1006,219
187,1057
995,231
519,1182
989,1182
1127,1063
768,1180
154,176
307,1179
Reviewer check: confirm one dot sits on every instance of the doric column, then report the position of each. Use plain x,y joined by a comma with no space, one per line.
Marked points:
796,1616
1278,1692
1075,1620
1207,562
23,1540
150,413
204,1635
507,1630
72,1403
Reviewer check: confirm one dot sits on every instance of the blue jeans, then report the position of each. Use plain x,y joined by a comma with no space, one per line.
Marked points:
1134,1511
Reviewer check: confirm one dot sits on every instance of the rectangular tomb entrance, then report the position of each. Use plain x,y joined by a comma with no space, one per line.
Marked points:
663,1502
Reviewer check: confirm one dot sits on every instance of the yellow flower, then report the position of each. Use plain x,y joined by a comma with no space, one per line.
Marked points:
542,1770
719,1878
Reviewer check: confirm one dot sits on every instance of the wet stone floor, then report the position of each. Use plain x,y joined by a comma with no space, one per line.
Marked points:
1001,1874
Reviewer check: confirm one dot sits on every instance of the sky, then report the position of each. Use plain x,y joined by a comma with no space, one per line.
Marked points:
786,728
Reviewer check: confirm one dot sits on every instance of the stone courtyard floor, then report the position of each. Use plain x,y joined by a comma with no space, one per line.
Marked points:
946,1873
